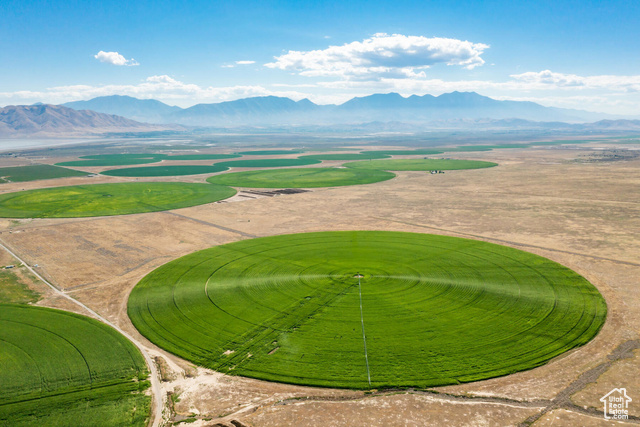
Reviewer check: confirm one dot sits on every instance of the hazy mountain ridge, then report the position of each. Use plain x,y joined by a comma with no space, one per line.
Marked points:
375,113
56,120
142,110
391,107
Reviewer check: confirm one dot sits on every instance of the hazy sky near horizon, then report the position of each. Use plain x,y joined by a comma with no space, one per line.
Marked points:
572,54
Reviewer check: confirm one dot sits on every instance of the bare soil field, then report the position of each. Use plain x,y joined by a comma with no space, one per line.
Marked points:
584,215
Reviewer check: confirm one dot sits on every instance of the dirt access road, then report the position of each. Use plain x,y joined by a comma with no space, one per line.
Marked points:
583,215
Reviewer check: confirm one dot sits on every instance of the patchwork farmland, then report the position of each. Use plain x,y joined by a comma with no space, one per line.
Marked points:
257,308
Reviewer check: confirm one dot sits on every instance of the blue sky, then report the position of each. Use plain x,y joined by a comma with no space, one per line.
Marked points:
574,54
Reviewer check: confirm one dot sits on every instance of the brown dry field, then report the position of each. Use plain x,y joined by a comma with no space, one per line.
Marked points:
583,215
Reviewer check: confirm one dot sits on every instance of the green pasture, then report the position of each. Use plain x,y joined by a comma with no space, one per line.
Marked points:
300,178
267,163
269,152
466,148
108,199
436,310
417,152
93,163
13,290
177,147
114,160
183,157
421,164
167,170
347,156
62,369
122,156
35,172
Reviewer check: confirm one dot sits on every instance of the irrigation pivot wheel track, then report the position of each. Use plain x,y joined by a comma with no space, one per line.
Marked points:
366,309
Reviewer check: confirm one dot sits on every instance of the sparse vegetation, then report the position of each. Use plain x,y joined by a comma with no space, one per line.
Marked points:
421,164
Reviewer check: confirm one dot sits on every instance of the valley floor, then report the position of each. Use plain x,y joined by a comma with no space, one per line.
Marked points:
584,215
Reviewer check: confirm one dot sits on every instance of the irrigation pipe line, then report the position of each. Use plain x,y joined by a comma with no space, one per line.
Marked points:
155,383
364,337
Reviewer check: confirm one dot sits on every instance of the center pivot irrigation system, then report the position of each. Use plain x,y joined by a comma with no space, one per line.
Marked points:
438,310
364,336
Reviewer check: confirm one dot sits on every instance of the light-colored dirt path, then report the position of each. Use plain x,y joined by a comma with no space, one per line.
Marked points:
158,401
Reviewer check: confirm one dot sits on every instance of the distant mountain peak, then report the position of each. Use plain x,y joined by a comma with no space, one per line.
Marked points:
53,120
144,110
271,110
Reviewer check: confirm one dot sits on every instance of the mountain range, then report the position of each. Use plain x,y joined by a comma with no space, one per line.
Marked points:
390,107
53,120
375,113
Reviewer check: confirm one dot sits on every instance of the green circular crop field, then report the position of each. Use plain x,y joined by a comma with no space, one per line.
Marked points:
62,369
269,152
183,157
429,310
300,178
347,156
417,152
108,199
268,163
421,164
167,170
114,160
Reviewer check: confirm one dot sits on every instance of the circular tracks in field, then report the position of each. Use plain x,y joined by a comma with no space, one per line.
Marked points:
267,163
166,170
59,368
108,199
300,178
432,310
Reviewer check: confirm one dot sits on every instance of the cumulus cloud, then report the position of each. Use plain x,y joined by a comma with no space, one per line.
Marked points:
115,58
382,55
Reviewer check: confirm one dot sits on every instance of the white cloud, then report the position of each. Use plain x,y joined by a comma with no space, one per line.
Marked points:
382,56
550,80
237,63
613,94
115,58
161,87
